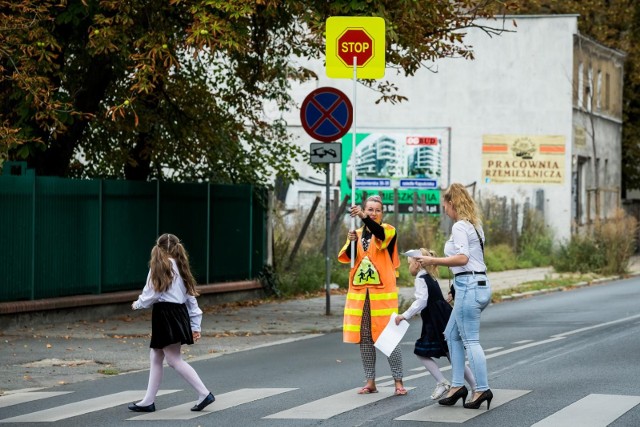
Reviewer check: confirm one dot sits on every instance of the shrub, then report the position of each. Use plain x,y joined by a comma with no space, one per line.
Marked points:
604,249
535,246
580,254
499,257
496,214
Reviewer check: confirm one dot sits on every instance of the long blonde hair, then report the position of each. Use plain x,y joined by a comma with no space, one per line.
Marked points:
431,269
169,246
464,205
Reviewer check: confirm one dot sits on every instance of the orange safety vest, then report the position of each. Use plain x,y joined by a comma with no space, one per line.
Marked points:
373,271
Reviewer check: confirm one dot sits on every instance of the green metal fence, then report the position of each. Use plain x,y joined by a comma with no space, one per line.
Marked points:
61,237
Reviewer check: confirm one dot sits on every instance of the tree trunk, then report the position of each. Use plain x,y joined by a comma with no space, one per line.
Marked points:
138,168
55,160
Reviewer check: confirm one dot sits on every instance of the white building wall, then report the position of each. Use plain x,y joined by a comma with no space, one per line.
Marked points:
519,83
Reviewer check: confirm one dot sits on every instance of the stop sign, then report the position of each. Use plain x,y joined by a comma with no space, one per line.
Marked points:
355,42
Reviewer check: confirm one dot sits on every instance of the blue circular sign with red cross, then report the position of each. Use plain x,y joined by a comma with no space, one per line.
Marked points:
326,114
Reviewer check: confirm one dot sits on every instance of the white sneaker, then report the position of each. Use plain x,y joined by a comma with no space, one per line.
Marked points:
440,390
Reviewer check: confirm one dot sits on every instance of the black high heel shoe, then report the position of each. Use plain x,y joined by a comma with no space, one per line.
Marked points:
475,404
462,392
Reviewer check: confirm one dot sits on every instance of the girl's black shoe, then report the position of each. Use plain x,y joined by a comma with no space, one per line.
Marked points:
475,404
205,402
135,408
462,392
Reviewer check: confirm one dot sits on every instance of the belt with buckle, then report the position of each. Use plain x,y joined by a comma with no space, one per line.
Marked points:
464,273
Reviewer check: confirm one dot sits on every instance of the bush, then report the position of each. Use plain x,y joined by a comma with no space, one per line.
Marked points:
581,254
535,246
605,249
499,258
496,214
306,276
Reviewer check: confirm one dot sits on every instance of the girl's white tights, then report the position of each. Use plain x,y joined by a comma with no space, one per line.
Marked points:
174,359
434,370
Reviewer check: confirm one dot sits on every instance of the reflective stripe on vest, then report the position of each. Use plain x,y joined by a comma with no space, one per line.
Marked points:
353,311
386,312
381,306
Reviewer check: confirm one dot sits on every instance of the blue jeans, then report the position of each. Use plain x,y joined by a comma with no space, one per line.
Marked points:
463,330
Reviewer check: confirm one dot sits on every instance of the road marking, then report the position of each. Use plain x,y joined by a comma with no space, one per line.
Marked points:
595,410
323,409
83,407
599,325
522,347
489,350
522,342
24,397
223,401
383,377
488,356
457,414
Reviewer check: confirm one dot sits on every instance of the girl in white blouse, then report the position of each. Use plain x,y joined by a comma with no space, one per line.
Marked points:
175,320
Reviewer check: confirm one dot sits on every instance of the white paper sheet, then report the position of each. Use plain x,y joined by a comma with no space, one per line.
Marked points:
413,253
391,335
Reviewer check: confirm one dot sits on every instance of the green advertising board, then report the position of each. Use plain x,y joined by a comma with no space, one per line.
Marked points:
408,164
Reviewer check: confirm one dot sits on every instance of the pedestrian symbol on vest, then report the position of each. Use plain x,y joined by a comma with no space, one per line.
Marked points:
366,274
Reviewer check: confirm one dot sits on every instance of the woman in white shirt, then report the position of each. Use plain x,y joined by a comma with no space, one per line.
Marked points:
435,313
464,254
175,319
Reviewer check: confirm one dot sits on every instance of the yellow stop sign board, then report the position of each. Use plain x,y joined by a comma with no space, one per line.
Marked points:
355,39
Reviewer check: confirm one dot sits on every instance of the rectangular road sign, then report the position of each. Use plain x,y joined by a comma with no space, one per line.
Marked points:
418,183
326,152
372,182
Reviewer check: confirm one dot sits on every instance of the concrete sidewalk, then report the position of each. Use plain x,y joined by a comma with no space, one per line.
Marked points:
63,351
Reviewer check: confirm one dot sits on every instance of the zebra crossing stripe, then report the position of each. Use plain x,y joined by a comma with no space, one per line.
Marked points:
223,401
595,410
457,414
24,397
323,409
83,407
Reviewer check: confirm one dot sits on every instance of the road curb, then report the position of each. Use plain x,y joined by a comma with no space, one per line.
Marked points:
519,295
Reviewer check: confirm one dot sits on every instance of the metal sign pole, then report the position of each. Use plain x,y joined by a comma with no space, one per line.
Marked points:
328,105
353,158
326,244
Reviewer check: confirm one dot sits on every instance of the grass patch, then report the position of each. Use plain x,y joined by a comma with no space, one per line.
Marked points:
564,282
108,371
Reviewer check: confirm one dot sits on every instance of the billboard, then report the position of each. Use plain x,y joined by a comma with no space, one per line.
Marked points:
411,163
523,159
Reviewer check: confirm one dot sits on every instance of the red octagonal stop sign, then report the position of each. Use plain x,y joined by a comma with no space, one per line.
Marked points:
355,42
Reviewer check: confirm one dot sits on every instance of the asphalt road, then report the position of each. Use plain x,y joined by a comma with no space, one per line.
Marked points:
566,358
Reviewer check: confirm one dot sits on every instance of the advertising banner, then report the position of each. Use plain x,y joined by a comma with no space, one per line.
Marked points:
385,162
523,159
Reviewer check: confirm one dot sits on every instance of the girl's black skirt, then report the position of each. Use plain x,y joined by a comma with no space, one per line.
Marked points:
170,324
434,321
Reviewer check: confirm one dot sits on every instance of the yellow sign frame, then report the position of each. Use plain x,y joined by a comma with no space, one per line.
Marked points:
374,27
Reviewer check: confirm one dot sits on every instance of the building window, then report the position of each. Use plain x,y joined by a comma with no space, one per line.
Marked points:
580,190
599,90
580,84
607,90
588,90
